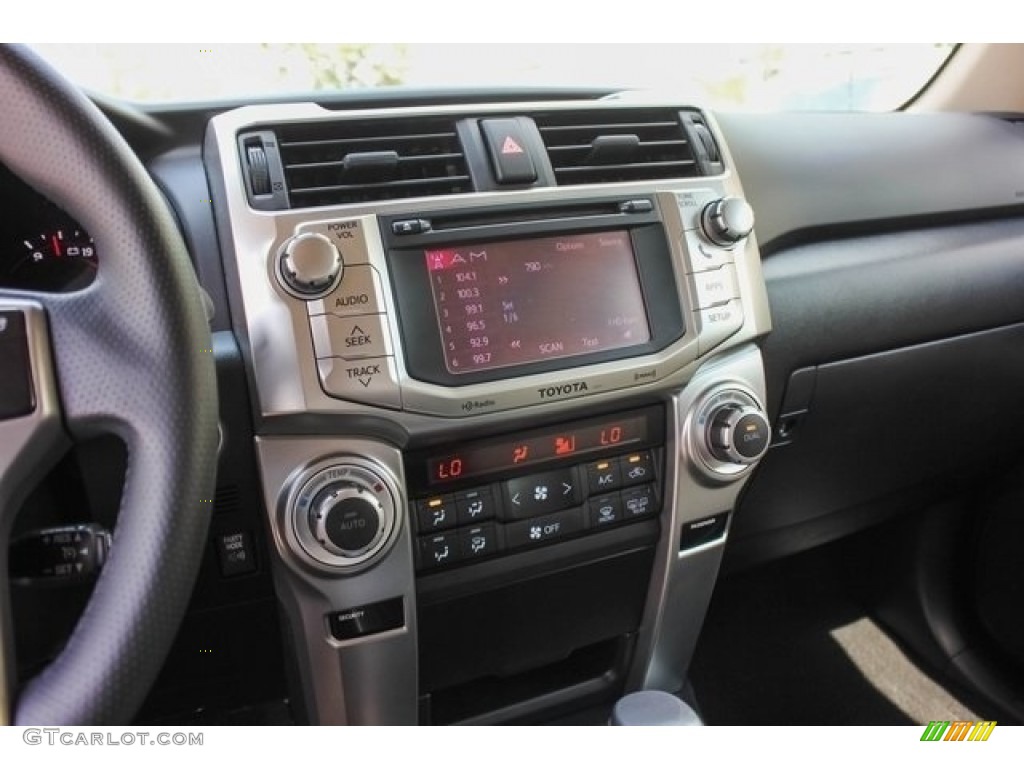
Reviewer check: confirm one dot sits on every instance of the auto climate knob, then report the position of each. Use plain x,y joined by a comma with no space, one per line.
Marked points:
727,221
738,434
346,519
309,265
343,514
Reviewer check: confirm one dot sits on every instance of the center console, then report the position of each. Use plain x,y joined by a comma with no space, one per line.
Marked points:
507,392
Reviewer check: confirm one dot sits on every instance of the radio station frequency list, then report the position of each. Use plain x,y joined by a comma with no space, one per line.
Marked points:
524,301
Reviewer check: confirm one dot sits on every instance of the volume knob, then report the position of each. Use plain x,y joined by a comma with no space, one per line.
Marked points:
309,265
727,221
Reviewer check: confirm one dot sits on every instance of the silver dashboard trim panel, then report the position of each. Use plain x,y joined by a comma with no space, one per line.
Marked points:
365,682
682,581
374,679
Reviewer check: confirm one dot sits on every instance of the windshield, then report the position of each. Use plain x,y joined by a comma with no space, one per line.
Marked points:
747,77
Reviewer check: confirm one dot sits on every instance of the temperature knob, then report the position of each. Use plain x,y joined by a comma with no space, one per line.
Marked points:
346,519
738,434
309,265
342,514
727,221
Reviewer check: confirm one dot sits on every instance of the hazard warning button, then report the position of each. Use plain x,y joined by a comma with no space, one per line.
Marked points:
508,146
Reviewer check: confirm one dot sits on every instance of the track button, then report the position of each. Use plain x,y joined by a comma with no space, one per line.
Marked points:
373,380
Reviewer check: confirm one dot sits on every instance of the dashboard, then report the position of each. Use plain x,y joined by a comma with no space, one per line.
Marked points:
510,382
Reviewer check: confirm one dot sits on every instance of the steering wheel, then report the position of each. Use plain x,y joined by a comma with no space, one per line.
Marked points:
128,356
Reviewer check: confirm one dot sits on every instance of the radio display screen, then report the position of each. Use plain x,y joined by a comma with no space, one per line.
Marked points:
516,302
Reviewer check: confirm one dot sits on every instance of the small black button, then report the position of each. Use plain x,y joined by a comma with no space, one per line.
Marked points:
16,398
409,226
542,530
603,476
637,468
639,502
605,510
439,549
234,551
702,531
474,506
509,151
540,493
367,619
436,513
478,541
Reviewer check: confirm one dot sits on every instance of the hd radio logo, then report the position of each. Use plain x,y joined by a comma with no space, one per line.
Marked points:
958,730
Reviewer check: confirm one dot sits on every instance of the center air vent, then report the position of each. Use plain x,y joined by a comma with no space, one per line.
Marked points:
359,161
608,145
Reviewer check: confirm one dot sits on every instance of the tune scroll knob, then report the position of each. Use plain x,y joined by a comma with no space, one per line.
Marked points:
309,265
727,221
738,434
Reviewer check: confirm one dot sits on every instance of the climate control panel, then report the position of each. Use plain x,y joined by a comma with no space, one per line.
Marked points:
535,488
343,515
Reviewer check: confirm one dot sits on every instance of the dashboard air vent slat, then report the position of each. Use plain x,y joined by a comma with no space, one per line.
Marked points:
427,160
651,144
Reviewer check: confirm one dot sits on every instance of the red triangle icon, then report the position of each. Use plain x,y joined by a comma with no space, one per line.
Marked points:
511,147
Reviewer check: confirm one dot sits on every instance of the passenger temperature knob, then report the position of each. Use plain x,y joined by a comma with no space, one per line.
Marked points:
738,434
309,264
727,221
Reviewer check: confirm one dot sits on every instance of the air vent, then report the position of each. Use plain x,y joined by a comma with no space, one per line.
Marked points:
608,145
227,499
359,161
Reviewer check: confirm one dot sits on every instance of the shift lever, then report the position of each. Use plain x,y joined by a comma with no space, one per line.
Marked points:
653,708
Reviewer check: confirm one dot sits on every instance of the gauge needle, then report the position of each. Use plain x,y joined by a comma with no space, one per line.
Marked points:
56,245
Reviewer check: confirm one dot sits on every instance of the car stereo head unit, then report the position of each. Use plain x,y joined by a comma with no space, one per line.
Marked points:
465,310
479,303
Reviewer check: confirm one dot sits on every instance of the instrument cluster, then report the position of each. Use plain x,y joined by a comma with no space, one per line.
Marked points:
42,248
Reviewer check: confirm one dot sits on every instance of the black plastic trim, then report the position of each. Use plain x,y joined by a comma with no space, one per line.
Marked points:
812,172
